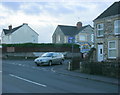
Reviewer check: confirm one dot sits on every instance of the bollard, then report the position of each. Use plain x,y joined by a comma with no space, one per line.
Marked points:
69,66
26,57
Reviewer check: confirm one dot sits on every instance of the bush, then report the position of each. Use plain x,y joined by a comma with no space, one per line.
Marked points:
39,45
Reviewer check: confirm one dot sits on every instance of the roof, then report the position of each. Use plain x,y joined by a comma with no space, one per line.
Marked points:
114,9
71,30
7,31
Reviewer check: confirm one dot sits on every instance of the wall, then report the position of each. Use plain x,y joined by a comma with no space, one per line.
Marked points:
24,35
56,33
108,35
87,32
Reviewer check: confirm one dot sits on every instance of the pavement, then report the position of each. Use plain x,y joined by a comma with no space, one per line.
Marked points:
76,73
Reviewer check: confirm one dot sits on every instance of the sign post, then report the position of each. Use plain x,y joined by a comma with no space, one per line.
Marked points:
72,41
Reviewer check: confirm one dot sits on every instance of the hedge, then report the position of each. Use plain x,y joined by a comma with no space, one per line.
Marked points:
38,45
110,69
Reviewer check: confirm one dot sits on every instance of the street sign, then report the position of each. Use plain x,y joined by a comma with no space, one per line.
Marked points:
71,39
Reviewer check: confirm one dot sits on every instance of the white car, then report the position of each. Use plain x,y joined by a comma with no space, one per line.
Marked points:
49,59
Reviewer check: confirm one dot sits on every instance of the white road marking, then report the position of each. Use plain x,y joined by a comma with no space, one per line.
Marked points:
52,69
0,71
27,80
19,64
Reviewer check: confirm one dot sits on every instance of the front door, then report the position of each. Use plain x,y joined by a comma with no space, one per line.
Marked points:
100,52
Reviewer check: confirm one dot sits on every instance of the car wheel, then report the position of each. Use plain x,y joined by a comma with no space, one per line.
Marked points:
50,63
37,64
62,61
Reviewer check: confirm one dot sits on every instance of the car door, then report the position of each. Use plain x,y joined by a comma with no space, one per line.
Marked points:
59,58
54,58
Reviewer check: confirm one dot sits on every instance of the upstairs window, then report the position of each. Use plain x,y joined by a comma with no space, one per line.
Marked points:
82,37
100,30
58,37
117,27
92,37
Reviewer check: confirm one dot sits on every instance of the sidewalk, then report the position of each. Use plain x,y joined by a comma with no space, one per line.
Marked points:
76,73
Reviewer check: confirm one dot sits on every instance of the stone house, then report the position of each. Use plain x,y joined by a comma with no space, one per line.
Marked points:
107,34
82,35
20,34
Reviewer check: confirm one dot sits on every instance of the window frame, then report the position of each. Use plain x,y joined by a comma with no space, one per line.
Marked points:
84,36
111,49
116,26
99,29
58,38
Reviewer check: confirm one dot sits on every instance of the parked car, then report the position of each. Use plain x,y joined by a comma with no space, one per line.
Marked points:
50,58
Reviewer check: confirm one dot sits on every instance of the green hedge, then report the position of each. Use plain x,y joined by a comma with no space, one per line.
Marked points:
39,45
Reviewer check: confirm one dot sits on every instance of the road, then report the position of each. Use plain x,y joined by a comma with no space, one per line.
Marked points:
23,76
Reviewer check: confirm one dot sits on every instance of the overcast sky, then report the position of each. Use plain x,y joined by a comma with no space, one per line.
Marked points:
43,17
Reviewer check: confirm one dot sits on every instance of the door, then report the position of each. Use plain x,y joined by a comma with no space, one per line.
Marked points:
100,52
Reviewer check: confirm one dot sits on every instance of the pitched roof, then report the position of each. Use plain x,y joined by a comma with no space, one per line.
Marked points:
7,31
70,30
114,9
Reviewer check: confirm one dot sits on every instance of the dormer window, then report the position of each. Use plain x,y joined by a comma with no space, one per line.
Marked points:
117,27
100,30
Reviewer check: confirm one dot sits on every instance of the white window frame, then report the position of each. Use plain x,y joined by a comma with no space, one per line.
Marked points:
111,49
92,37
65,39
116,26
84,36
101,24
58,37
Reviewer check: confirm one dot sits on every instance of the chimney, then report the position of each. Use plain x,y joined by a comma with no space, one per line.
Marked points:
79,25
10,27
25,24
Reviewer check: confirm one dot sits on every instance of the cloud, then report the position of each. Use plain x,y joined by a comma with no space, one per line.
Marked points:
44,17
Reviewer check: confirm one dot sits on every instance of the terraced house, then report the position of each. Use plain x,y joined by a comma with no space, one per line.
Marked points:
107,34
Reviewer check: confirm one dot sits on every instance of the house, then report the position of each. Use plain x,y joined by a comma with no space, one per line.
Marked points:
20,34
82,35
107,34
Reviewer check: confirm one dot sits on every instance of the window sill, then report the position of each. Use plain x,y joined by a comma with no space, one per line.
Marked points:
112,57
100,36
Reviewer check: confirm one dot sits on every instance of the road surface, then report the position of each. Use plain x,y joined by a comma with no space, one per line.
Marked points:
23,76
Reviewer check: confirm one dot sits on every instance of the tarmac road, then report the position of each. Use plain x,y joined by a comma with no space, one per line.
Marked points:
23,76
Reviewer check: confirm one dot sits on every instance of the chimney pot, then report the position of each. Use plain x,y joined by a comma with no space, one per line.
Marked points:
25,24
10,27
79,25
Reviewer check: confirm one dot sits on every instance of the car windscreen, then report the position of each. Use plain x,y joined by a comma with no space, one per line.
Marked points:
47,55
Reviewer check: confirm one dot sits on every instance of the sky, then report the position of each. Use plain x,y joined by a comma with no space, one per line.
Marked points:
44,17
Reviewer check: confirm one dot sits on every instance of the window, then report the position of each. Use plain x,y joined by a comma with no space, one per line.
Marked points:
112,49
100,30
58,37
82,37
65,39
92,37
117,26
